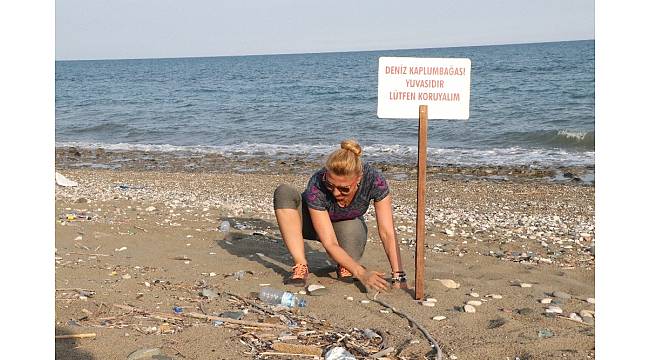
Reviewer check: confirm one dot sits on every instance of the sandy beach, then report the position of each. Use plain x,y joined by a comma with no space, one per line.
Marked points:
143,238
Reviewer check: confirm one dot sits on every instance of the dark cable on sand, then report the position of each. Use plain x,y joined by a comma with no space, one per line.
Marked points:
434,343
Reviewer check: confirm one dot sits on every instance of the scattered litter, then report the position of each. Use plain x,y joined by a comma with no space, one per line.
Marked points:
209,293
144,354
439,318
338,353
121,249
235,315
75,215
63,181
316,290
177,309
370,334
224,227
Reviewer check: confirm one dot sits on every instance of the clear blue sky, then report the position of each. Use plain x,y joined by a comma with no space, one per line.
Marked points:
117,29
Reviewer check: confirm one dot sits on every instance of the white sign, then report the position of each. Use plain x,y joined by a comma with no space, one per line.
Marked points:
440,83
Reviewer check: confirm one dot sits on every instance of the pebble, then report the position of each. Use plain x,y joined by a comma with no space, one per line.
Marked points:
586,313
561,295
365,301
449,232
473,294
449,283
151,208
432,299
575,317
429,303
474,302
545,333
591,300
302,292
384,311
526,285
469,309
439,318
494,296
525,311
121,249
349,298
588,320
546,301
554,310
78,238
126,276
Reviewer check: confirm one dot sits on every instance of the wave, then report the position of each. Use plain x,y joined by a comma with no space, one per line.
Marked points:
564,139
394,154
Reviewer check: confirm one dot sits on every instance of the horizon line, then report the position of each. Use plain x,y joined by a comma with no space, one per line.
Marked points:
320,52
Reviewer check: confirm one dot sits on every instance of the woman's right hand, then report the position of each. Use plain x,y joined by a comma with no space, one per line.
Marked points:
374,280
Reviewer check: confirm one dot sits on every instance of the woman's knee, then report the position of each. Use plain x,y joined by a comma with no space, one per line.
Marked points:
352,236
286,197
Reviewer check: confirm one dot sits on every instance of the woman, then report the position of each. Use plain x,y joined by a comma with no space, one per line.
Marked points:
331,210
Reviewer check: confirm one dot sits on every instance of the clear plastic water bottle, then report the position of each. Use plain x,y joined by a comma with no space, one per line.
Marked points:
278,297
224,227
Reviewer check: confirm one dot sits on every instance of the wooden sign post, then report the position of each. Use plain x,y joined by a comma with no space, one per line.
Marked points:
422,186
440,87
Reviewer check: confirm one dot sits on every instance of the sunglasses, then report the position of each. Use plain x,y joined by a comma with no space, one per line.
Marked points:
344,190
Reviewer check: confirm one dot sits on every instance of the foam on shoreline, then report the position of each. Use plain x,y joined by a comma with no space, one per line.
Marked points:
181,159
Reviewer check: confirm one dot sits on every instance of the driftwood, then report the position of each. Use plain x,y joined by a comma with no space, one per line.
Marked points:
297,349
432,341
165,317
78,253
288,354
76,336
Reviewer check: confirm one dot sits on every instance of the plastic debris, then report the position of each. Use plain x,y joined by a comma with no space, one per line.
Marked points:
279,297
144,354
235,315
63,181
339,353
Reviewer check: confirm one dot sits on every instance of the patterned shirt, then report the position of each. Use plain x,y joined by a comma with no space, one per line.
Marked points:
373,186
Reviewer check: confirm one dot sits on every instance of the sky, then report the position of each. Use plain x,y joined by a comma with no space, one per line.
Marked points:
126,29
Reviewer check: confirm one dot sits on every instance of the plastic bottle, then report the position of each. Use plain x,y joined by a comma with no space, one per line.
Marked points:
278,297
225,226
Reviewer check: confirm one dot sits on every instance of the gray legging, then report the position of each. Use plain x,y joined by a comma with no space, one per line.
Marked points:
352,235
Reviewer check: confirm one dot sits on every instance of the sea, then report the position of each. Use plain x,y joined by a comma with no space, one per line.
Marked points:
531,105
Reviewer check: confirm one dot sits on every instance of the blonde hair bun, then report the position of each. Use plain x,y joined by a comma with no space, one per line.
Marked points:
346,160
351,145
